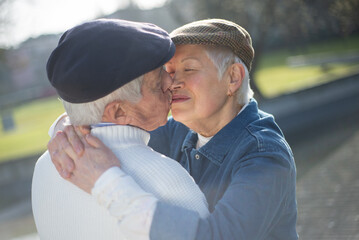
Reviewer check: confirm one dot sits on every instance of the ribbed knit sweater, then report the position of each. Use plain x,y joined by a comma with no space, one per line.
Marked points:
63,211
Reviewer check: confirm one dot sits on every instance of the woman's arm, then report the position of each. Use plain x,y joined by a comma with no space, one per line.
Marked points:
257,198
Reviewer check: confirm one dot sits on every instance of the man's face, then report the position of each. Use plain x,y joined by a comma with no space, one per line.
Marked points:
152,110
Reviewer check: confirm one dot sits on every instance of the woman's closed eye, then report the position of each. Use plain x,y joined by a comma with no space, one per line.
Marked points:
189,69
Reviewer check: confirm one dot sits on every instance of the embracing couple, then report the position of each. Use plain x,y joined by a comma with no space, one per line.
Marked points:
219,168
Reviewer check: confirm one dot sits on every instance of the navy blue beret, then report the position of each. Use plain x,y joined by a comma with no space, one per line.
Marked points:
97,57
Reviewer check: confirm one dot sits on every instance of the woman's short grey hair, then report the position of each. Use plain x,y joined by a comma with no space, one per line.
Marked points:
92,112
222,58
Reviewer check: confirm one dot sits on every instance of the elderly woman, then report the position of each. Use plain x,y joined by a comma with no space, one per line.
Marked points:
235,152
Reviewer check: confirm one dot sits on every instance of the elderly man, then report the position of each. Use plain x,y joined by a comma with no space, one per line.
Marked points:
109,75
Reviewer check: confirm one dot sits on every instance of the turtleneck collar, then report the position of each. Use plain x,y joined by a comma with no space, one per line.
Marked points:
113,135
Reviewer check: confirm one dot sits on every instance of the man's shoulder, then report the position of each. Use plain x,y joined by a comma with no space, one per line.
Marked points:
45,174
44,162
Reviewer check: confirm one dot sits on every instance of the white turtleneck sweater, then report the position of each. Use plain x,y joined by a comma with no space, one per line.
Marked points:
63,211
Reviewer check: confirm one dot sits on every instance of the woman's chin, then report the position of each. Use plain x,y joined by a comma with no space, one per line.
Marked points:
178,116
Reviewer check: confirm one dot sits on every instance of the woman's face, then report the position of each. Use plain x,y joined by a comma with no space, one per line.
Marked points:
197,93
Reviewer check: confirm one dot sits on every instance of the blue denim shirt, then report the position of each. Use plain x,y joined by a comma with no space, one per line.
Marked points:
247,173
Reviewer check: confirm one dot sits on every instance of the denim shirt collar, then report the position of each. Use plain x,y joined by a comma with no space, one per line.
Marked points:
217,148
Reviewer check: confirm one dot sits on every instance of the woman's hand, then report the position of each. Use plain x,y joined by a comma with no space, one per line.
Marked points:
79,157
95,160
66,146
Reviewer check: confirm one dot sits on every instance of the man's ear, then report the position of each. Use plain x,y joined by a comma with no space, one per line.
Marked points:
236,74
114,113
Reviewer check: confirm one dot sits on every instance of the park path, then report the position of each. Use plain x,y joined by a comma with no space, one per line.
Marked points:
327,194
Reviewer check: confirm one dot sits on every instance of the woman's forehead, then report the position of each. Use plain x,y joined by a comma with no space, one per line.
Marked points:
189,48
188,52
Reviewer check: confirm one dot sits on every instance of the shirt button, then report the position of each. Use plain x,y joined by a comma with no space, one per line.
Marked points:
196,156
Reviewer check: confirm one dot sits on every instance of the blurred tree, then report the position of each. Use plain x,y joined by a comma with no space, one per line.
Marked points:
182,11
6,84
347,14
278,23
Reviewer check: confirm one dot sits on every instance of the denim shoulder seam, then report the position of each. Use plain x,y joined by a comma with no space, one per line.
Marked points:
258,138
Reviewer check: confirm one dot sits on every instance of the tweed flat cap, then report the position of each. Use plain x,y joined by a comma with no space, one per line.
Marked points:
218,32
97,57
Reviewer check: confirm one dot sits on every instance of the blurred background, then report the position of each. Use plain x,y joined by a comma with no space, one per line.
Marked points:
306,73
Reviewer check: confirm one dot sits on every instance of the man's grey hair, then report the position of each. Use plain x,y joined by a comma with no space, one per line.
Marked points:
222,58
92,112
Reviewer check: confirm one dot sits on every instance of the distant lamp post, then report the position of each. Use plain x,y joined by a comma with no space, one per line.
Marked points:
7,121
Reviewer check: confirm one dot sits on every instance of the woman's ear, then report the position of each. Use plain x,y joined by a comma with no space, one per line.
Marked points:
114,113
236,74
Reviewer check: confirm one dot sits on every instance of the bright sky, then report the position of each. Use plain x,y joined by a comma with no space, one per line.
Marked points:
31,18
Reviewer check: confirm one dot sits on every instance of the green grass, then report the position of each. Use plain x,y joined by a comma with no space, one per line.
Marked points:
274,77
32,122
281,79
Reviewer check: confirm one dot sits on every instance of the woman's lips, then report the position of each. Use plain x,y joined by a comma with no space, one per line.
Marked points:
179,98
